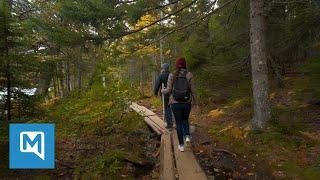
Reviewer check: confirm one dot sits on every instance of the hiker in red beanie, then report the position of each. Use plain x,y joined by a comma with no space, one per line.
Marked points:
181,63
181,89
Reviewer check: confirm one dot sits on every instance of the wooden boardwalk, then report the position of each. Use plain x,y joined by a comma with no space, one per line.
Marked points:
173,163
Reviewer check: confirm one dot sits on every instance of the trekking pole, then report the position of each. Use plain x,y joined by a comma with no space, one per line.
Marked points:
163,105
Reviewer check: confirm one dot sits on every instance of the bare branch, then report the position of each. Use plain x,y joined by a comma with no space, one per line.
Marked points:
234,9
127,2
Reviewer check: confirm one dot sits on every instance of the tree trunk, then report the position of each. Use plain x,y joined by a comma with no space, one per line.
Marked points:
259,66
8,62
61,78
57,81
141,78
79,67
155,72
54,80
68,77
44,81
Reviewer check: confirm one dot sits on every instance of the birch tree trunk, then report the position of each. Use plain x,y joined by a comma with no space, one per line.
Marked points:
259,66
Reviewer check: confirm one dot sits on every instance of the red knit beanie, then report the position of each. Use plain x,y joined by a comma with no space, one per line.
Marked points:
181,63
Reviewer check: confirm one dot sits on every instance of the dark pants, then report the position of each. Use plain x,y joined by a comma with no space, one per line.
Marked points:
168,112
181,113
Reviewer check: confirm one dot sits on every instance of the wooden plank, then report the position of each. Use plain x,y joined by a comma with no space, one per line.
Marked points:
151,115
167,169
146,111
153,126
142,110
136,109
187,165
159,122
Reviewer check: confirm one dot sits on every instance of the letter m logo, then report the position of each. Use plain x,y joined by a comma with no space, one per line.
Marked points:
32,142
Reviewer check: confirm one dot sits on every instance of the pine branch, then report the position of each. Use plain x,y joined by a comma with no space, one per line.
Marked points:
201,18
161,6
159,20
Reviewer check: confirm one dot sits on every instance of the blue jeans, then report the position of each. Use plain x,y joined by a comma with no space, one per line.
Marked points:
181,113
168,113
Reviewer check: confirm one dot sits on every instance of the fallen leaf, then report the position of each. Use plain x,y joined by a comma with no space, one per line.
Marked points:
216,113
236,132
226,128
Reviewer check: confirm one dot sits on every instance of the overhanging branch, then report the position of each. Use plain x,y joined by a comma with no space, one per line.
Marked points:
159,20
198,19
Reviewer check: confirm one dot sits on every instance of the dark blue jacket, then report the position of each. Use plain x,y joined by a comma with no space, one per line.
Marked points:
162,78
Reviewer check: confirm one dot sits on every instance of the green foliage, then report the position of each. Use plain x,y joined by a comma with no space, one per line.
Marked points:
107,165
309,173
98,114
196,49
307,87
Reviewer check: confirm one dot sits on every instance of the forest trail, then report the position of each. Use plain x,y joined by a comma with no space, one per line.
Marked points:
172,161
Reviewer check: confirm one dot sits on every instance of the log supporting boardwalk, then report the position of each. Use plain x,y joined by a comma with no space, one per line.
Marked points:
173,163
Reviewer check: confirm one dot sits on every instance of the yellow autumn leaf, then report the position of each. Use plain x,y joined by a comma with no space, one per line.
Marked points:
272,95
236,133
237,103
226,128
109,104
85,110
216,113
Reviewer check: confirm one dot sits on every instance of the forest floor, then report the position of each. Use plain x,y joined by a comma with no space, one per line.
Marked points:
93,141
289,148
217,160
96,136
225,149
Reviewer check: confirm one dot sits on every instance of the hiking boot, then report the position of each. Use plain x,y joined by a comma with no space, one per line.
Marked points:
188,140
181,148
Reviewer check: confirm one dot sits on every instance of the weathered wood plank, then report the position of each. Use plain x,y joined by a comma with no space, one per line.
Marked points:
142,110
167,169
136,109
149,114
159,122
187,165
153,125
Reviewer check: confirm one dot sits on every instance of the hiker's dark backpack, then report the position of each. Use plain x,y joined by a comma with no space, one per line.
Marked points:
181,90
